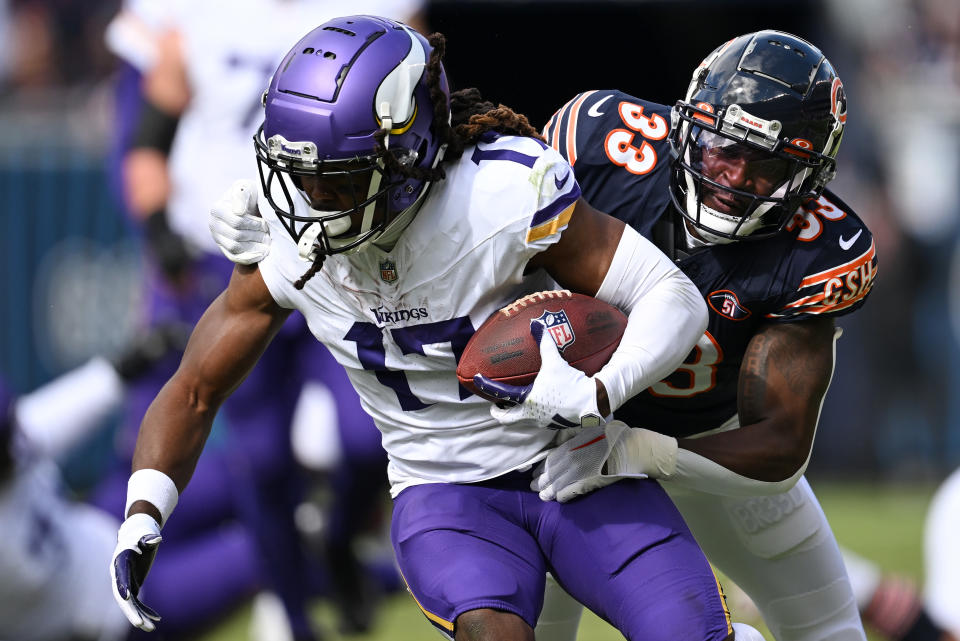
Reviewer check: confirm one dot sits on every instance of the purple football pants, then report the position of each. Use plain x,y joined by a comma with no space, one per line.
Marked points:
623,551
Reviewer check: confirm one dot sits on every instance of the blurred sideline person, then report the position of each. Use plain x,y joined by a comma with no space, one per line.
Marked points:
51,587
412,232
203,70
730,184
52,583
891,604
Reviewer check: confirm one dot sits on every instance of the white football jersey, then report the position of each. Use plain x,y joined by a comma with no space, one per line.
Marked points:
53,579
396,320
230,51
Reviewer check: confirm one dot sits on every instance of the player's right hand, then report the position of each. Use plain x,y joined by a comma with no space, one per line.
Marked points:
235,222
136,548
560,396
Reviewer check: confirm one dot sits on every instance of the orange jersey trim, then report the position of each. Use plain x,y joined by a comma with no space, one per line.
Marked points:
572,126
824,276
832,308
557,120
546,128
811,300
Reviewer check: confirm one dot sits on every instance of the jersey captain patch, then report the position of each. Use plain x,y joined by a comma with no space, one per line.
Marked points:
726,303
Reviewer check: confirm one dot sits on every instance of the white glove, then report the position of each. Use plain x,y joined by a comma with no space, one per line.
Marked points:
237,227
137,543
601,455
560,396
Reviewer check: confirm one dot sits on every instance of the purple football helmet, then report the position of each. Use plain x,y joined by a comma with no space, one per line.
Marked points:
342,83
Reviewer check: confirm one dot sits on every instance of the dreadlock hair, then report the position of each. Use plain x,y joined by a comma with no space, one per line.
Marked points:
314,268
468,117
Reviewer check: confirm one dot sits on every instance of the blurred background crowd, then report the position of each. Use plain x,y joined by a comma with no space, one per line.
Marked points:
74,276
71,272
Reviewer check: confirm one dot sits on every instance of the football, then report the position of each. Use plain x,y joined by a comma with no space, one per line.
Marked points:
586,331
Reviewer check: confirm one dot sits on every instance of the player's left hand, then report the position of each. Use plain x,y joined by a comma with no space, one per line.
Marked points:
235,223
579,466
600,455
136,548
560,396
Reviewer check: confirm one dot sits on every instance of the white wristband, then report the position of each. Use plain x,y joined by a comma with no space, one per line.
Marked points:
646,452
154,487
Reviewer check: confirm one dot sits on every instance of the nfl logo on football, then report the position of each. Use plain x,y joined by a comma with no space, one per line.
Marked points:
388,270
559,328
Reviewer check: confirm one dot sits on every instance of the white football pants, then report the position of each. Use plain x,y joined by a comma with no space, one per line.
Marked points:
942,556
779,549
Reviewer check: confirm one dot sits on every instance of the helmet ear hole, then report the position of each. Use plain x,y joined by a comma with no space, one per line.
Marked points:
421,150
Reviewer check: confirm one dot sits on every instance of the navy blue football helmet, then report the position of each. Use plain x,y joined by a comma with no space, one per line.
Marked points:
755,136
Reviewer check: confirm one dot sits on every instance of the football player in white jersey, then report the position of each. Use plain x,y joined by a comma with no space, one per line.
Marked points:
52,583
415,231
204,67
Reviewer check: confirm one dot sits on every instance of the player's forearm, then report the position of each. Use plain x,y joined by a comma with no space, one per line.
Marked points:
173,432
687,463
666,316
752,452
785,374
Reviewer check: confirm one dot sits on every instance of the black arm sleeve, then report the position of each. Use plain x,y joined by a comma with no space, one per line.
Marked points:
155,128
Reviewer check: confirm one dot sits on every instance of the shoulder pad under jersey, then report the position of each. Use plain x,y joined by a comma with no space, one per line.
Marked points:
833,261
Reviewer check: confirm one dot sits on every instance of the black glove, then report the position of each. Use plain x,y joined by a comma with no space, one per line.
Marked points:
150,347
167,246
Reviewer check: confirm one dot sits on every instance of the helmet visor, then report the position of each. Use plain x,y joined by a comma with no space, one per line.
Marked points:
735,173
345,198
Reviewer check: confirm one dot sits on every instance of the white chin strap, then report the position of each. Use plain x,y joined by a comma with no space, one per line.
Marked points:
307,247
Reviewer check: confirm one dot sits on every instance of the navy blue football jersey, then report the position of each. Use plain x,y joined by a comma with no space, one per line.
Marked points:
824,262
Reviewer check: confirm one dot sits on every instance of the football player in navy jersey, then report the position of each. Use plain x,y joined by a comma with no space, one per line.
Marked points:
730,183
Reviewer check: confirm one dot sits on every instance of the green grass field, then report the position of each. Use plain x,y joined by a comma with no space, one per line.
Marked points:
883,523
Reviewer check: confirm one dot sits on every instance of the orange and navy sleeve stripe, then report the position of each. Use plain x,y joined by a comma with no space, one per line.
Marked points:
561,129
840,289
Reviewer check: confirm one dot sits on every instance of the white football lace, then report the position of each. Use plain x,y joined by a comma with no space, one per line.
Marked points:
530,299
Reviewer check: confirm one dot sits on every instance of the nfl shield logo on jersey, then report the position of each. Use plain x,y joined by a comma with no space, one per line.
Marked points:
388,270
558,327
